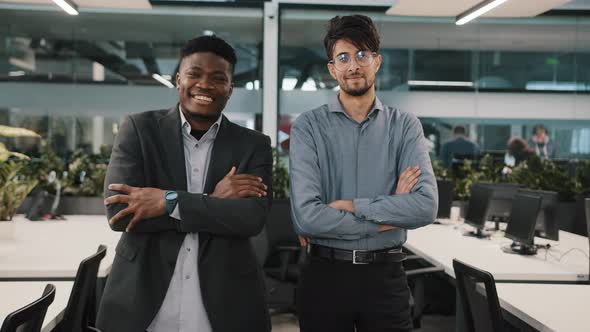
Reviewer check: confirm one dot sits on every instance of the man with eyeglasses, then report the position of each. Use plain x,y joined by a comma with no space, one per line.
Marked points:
360,178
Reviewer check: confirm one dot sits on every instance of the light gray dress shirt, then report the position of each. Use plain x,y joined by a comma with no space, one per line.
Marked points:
183,309
333,157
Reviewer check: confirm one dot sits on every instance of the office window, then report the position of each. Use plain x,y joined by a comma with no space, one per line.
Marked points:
82,75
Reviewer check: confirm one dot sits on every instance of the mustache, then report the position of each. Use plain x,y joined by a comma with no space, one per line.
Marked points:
355,76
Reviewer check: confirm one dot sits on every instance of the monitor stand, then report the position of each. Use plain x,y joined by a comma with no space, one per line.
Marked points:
477,233
520,249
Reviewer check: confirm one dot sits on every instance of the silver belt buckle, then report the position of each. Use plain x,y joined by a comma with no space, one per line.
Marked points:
354,256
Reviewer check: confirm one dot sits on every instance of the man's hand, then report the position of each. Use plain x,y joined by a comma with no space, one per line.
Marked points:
143,203
344,205
407,180
384,228
239,186
303,241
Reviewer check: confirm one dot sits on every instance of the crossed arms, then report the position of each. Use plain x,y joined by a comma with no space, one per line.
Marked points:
237,207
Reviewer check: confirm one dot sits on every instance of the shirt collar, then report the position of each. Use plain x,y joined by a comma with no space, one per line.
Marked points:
336,107
186,126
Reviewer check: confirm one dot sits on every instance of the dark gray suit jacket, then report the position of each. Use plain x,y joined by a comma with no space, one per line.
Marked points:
148,152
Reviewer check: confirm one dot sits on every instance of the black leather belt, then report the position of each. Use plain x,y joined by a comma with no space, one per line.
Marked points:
394,255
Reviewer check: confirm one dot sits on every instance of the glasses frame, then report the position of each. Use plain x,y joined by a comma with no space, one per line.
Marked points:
355,57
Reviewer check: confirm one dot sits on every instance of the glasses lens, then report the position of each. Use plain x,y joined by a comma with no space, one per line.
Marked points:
342,61
364,57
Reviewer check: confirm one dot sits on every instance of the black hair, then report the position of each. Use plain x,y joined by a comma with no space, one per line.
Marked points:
539,127
459,130
357,29
211,44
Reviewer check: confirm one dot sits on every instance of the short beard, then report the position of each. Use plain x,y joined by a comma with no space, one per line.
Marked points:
202,118
357,92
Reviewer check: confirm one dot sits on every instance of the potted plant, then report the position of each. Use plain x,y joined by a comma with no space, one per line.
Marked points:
468,173
84,180
537,174
40,168
279,224
14,186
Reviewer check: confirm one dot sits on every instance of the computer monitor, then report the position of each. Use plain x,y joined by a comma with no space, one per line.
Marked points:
501,201
478,208
445,198
546,226
521,227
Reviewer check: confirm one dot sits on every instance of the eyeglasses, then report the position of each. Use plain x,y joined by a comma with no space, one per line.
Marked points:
342,61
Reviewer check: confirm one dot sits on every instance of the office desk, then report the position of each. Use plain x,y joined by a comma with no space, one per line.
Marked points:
558,308
439,244
53,249
17,294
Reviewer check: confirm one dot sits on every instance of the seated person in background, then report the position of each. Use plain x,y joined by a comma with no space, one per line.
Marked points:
542,145
517,151
460,146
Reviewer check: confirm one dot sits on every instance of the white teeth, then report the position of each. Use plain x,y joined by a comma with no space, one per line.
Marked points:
204,98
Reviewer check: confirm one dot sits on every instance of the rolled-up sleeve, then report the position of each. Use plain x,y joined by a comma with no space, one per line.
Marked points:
311,216
417,208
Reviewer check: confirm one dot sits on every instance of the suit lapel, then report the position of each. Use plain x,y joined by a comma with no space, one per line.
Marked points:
171,136
220,163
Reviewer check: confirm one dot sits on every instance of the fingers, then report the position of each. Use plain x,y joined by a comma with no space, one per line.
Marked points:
408,180
250,193
136,218
121,188
303,241
247,177
120,215
117,199
384,228
231,172
249,182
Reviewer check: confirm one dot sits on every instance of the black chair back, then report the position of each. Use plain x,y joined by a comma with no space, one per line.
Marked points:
279,227
445,198
30,318
81,309
479,299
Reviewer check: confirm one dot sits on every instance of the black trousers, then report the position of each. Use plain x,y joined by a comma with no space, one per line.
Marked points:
341,297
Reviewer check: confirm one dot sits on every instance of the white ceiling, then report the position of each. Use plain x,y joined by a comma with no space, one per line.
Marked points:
126,4
449,8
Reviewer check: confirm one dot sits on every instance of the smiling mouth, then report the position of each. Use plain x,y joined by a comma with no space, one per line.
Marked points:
201,99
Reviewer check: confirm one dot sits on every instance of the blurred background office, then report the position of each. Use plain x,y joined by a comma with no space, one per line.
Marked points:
72,78
502,99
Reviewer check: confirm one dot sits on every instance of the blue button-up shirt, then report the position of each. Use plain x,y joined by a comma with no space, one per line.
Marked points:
333,157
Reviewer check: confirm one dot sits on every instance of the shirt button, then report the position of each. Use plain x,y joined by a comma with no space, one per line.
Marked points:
195,170
187,277
188,249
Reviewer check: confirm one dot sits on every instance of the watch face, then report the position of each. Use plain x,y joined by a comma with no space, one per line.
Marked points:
171,195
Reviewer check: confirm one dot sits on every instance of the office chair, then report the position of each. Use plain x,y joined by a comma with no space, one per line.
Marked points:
285,253
30,317
417,272
80,313
278,276
479,299
445,198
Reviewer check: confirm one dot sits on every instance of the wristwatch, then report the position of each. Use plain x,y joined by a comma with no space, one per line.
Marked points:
170,197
